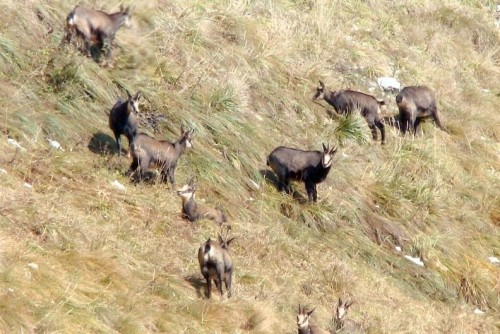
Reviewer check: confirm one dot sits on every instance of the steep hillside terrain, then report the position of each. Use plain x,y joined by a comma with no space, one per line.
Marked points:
79,255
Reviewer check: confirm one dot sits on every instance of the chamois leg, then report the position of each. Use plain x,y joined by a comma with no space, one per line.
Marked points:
133,167
416,125
168,174
143,167
403,122
373,129
311,192
119,145
380,125
218,282
228,281
206,275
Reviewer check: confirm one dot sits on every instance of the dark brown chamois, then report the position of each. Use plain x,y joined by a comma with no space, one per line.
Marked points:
304,327
416,103
148,152
310,167
95,27
216,264
193,211
123,120
345,101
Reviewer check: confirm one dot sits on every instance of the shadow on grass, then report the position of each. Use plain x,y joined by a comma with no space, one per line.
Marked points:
103,144
199,285
271,178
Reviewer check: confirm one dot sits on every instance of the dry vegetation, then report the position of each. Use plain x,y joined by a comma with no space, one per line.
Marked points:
79,256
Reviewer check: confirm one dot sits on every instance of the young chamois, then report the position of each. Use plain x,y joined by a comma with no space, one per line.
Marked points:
343,325
149,152
345,101
310,167
304,327
123,120
95,27
193,211
216,264
416,103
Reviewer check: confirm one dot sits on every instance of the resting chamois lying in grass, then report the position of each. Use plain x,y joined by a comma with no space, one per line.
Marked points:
193,211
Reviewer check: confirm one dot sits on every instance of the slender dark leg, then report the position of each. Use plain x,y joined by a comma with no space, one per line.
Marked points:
380,125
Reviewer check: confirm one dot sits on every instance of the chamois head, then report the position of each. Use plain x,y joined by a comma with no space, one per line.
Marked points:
303,317
328,153
341,311
187,191
224,242
320,91
133,101
126,14
187,136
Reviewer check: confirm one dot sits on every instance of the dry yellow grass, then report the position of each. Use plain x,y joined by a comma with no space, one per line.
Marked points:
80,256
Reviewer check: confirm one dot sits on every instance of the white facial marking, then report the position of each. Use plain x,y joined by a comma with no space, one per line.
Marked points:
327,160
188,143
136,106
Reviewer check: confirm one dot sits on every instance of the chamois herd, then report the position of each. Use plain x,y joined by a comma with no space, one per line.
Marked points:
98,29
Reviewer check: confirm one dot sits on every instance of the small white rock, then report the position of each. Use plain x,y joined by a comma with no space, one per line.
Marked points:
33,266
493,259
254,184
13,142
398,248
10,290
3,171
478,311
55,144
27,185
415,260
388,83
118,185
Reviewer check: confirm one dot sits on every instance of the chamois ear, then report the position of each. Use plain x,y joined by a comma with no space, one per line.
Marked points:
137,96
219,238
310,312
321,84
333,150
126,11
182,129
326,148
340,301
192,181
348,304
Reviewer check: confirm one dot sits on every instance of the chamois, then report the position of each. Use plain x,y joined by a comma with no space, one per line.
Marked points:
123,120
193,211
216,264
95,27
149,152
345,325
416,103
345,101
304,327
311,167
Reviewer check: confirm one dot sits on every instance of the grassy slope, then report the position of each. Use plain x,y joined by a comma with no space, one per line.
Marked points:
242,74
